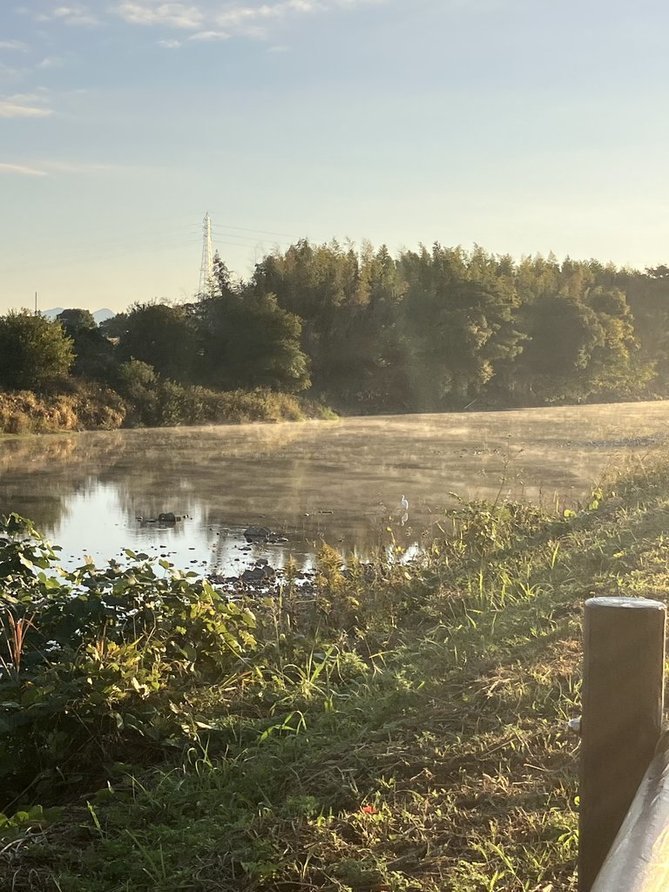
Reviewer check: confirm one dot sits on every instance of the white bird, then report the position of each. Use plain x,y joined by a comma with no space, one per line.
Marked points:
404,508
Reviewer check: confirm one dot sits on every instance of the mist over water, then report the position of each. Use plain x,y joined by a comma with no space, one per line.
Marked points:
339,482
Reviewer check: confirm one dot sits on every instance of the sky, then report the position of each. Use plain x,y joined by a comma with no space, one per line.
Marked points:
524,126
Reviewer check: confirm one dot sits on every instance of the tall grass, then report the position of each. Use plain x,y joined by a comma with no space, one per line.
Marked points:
87,406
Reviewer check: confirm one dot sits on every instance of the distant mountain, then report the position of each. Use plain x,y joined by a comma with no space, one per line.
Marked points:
51,314
99,315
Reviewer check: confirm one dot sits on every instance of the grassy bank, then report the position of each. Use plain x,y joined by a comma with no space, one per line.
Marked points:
401,729
86,406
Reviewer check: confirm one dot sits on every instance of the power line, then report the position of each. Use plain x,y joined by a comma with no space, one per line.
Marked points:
127,243
261,231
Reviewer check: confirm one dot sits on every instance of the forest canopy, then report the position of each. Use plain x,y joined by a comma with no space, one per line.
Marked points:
431,329
440,328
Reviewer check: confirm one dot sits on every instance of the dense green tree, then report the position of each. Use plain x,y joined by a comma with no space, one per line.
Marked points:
581,340
34,352
115,326
94,354
616,367
75,320
222,279
459,318
370,361
563,332
139,384
648,299
658,272
250,341
320,284
165,337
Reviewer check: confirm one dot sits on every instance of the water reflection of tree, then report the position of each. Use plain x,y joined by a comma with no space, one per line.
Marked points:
341,482
47,511
222,476
39,475
168,470
152,470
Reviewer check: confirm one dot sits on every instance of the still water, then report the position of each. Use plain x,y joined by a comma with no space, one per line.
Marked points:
341,482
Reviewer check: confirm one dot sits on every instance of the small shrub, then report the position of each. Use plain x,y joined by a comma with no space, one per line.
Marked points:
86,658
17,422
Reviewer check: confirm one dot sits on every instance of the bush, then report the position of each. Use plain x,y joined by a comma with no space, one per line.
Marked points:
162,336
154,401
137,383
34,353
86,658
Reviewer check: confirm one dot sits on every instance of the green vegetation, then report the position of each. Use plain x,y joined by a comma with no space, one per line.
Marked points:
400,727
439,329
154,401
154,374
33,352
430,330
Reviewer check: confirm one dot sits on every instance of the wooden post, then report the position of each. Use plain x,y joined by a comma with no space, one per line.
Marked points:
623,693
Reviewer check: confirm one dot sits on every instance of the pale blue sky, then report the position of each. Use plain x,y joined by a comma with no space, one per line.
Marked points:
522,125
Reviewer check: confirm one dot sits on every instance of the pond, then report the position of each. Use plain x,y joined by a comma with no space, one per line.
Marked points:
341,482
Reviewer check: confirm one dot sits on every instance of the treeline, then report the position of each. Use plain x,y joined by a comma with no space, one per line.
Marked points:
428,330
70,373
441,328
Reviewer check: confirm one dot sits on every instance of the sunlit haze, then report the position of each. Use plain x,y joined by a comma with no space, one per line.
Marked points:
520,125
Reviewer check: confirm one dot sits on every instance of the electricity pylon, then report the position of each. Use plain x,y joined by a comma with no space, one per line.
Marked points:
207,267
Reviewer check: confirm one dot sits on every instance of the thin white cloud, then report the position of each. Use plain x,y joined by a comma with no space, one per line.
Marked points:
75,15
14,45
23,106
209,20
210,36
216,20
20,170
77,168
51,62
80,167
245,16
171,15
